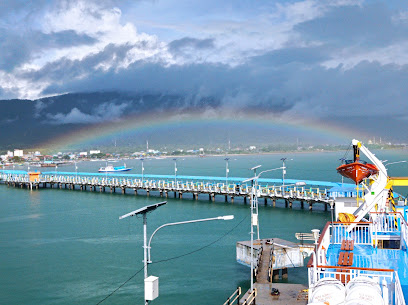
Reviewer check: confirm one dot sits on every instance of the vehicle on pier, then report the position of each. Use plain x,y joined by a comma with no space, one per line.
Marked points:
363,260
113,169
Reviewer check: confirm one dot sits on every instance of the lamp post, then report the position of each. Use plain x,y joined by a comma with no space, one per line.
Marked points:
144,211
141,159
226,172
175,171
254,216
283,172
76,170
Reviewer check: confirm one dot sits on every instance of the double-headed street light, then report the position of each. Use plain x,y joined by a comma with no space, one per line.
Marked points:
151,283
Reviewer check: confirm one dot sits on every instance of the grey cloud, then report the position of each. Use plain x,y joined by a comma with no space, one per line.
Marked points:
67,69
370,25
18,47
103,112
187,43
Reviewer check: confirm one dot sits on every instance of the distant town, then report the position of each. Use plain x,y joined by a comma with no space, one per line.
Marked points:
18,156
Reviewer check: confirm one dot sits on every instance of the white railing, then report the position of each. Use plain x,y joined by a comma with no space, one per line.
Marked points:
385,278
361,234
399,295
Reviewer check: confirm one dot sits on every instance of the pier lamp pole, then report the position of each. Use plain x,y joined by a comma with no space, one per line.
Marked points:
254,216
283,172
226,172
142,170
76,170
144,211
175,171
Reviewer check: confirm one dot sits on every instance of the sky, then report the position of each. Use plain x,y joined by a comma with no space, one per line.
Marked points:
320,59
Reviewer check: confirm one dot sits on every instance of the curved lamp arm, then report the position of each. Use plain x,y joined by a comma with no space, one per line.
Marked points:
227,217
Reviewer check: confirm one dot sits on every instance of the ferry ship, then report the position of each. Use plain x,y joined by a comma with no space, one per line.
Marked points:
113,169
362,258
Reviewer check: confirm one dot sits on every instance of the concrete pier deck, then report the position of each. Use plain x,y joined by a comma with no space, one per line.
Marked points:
289,294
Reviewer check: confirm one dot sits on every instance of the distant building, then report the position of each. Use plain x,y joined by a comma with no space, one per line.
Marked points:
94,152
252,147
37,153
18,153
10,154
83,153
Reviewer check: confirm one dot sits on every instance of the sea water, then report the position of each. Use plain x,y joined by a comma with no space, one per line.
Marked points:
69,247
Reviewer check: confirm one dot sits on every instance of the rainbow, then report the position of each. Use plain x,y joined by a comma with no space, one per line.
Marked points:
137,124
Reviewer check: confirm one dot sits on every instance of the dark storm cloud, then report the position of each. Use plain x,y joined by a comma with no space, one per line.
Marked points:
296,88
18,47
178,46
371,25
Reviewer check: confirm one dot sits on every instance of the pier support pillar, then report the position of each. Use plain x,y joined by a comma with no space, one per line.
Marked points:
166,194
123,190
226,198
245,199
266,201
310,206
161,193
175,194
147,193
302,204
286,203
213,197
209,196
196,196
180,195
325,207
232,199
290,204
274,202
135,192
284,273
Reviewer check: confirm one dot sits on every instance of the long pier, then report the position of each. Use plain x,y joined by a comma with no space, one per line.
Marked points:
178,186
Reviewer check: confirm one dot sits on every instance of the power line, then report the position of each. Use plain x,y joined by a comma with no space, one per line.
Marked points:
172,258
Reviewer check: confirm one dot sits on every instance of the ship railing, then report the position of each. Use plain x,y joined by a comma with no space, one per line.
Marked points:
361,234
391,223
398,294
386,278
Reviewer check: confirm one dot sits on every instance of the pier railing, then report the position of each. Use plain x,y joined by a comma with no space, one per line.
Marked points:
250,300
234,297
279,192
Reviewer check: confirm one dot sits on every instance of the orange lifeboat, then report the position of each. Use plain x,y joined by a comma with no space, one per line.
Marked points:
357,170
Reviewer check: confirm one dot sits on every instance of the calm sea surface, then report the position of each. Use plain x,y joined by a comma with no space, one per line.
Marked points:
69,247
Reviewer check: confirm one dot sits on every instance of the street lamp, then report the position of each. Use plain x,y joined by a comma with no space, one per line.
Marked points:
76,169
147,247
254,216
144,211
226,172
141,159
